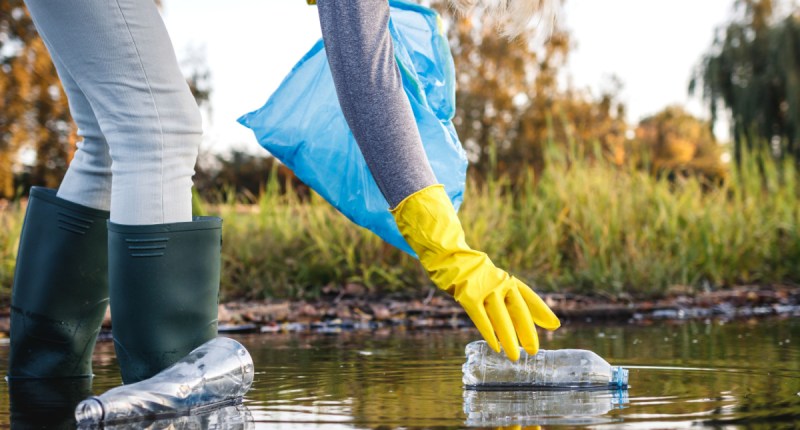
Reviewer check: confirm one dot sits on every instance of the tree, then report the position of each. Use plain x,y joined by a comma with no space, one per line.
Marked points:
752,69
676,142
243,174
509,103
34,114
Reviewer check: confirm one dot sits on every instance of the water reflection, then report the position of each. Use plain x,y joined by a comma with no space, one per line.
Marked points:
46,404
740,374
232,417
50,404
526,408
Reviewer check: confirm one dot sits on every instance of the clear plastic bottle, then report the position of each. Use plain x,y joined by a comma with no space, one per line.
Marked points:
559,369
216,374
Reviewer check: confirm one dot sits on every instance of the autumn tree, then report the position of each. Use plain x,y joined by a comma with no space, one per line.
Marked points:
509,104
674,141
753,71
34,114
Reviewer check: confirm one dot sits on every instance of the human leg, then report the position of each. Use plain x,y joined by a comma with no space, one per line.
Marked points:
88,178
164,282
120,57
60,291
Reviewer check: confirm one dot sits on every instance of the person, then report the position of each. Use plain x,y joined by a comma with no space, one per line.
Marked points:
119,228
370,92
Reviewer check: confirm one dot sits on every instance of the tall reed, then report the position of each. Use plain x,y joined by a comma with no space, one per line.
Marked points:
11,215
583,225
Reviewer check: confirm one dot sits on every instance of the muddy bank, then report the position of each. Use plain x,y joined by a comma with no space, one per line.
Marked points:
438,311
355,312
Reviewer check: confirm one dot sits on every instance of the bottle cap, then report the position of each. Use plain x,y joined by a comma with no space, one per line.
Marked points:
89,411
619,377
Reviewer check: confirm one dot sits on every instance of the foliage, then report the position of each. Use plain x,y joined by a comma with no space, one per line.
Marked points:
283,246
675,141
509,103
11,215
241,173
752,70
34,114
586,226
589,226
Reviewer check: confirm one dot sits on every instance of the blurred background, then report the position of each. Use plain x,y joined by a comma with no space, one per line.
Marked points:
642,148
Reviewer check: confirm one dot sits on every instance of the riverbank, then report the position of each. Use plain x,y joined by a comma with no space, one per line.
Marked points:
438,311
346,312
579,226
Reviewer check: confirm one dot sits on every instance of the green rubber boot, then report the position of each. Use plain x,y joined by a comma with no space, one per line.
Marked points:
164,282
60,292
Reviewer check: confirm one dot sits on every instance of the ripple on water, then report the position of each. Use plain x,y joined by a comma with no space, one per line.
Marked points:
737,374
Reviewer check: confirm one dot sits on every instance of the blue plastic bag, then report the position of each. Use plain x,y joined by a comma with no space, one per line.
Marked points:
303,126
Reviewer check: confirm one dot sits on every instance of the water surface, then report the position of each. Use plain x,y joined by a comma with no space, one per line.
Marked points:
741,374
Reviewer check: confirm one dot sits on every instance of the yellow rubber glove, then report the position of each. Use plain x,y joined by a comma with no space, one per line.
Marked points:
497,303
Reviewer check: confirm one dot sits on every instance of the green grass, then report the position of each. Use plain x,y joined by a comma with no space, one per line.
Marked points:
10,227
581,226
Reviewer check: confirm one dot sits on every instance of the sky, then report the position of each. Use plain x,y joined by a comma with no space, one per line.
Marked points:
652,46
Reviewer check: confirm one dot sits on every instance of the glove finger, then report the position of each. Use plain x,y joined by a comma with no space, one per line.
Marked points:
503,326
542,315
523,321
484,325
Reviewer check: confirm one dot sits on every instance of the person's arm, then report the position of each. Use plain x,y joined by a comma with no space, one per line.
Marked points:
370,92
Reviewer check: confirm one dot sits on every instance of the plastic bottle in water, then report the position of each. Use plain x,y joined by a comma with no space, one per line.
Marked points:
555,369
216,374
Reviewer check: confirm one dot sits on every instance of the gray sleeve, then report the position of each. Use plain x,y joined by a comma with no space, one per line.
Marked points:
370,91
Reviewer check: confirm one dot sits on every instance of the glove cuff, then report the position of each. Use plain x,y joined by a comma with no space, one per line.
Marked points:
428,222
431,191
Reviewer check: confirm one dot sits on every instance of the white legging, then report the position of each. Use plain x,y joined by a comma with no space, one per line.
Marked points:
140,125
